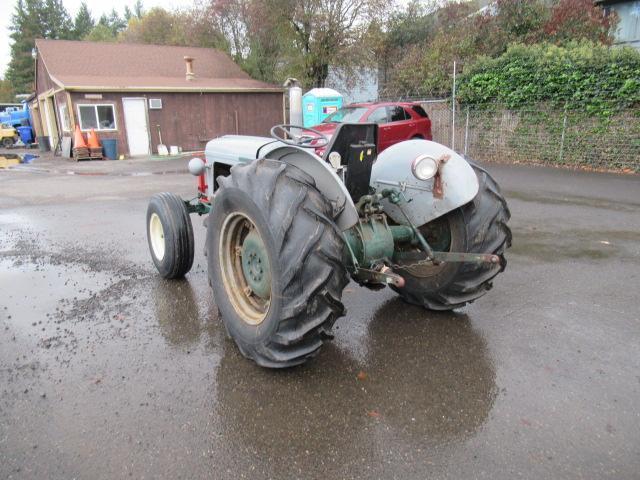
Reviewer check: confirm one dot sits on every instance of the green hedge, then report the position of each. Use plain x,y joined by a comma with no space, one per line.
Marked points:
596,79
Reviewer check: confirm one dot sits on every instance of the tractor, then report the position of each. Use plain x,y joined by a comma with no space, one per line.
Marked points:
287,230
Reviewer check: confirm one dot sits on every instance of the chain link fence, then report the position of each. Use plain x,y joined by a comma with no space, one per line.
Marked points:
539,134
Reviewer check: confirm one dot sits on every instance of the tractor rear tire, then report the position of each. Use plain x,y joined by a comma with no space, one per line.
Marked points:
170,235
280,317
480,226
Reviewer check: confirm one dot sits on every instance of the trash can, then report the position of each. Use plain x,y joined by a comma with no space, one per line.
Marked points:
110,148
25,134
43,144
318,104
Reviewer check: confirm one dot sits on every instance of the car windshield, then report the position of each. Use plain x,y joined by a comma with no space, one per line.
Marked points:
346,115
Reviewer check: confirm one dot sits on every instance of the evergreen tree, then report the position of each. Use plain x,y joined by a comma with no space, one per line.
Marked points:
83,23
116,22
128,14
138,9
7,95
56,20
26,25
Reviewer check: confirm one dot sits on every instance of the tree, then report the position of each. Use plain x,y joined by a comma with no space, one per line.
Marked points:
83,23
405,28
580,20
160,27
56,20
7,95
116,22
26,25
138,9
100,33
522,20
326,33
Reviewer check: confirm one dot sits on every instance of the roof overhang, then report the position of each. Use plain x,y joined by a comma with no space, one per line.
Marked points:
194,89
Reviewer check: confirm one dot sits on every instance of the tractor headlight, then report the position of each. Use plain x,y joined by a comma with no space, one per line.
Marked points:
424,167
196,166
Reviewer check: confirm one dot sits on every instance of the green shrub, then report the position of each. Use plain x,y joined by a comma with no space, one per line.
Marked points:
593,78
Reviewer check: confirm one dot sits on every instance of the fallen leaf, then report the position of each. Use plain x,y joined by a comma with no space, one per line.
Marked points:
373,414
362,375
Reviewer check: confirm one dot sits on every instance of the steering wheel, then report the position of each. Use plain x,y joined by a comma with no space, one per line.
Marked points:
299,139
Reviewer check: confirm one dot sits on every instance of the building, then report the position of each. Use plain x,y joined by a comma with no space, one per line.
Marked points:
628,29
138,93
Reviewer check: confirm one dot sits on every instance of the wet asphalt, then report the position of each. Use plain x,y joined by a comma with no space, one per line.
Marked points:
108,371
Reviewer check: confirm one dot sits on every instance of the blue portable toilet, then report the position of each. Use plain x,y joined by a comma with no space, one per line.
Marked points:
318,104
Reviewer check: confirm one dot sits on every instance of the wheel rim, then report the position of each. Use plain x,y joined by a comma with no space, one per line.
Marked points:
156,234
246,271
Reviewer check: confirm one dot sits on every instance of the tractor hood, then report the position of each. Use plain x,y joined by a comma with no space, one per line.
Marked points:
233,148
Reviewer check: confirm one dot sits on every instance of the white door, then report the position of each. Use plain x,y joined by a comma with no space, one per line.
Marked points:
135,120
49,120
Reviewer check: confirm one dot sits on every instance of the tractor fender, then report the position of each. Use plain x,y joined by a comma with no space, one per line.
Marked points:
329,184
224,152
392,169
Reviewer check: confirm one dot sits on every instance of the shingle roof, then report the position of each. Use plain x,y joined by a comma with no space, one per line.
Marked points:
126,66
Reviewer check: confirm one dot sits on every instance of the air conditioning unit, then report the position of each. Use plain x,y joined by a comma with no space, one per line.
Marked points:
155,103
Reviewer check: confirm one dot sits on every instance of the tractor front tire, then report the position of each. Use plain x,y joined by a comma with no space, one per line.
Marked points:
7,142
480,226
275,262
170,235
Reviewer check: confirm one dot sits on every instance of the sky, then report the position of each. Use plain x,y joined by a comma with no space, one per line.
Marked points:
97,8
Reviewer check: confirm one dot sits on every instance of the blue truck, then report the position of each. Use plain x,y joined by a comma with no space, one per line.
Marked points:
15,115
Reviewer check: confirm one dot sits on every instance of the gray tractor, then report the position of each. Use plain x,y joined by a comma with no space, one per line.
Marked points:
287,229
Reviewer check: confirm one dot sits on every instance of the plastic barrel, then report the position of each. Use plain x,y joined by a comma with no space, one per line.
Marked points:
25,134
43,144
110,148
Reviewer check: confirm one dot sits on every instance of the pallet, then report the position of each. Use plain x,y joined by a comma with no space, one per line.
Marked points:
83,153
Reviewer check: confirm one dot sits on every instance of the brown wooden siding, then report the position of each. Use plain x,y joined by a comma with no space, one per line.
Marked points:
190,120
114,99
44,82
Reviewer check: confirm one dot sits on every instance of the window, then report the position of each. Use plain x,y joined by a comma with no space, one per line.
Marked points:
420,111
379,116
155,103
398,114
99,117
346,115
64,118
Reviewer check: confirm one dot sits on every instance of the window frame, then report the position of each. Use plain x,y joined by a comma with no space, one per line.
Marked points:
406,114
95,109
65,119
386,114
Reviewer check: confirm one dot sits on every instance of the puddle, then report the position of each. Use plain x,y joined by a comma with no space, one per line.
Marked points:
11,159
33,294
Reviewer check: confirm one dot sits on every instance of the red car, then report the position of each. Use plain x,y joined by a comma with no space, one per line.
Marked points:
397,121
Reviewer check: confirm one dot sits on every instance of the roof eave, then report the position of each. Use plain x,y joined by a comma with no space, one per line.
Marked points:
194,89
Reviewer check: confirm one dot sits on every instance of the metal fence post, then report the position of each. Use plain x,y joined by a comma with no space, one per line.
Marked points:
564,128
466,133
453,110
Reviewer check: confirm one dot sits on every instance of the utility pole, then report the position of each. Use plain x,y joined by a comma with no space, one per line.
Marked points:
453,109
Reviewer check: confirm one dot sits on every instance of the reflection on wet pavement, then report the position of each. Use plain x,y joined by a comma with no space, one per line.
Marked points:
428,380
108,371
